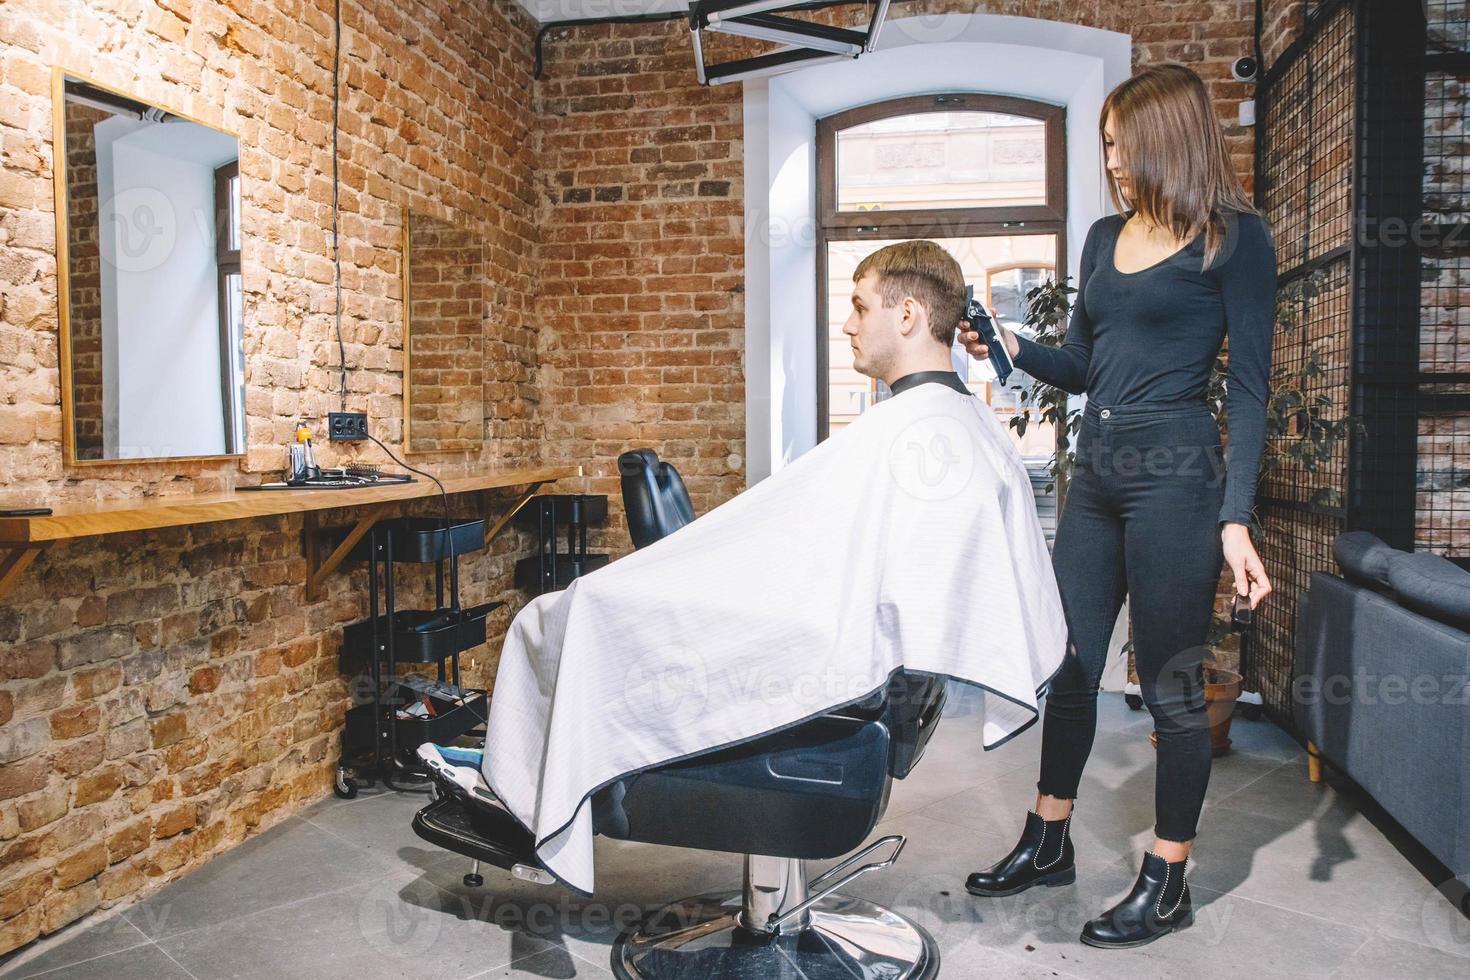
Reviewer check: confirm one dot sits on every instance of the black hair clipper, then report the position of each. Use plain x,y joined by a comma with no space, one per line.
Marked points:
1240,614
983,324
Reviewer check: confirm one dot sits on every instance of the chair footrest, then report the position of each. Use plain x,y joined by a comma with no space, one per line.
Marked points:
484,832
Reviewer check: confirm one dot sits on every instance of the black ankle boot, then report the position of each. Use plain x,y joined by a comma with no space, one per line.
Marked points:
1043,856
1158,904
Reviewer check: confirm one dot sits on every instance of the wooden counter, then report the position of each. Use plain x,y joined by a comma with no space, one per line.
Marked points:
23,538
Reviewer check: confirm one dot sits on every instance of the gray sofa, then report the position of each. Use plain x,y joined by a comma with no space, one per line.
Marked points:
1382,686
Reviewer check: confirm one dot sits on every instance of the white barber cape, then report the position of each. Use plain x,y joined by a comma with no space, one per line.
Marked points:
907,539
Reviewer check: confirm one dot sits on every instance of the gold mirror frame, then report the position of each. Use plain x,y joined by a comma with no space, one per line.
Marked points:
59,75
406,274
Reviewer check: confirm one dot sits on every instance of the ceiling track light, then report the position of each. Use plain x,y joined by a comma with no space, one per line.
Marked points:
796,33
804,43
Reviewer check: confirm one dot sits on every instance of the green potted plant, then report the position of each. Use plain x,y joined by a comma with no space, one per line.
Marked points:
1048,307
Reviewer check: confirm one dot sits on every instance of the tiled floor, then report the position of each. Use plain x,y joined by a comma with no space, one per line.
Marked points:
1290,880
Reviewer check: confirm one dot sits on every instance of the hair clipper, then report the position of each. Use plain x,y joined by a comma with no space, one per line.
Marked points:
984,324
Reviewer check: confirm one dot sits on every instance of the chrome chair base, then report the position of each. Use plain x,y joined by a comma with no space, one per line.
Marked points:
846,938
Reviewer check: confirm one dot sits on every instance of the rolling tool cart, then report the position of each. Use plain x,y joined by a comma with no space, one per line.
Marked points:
395,712
550,569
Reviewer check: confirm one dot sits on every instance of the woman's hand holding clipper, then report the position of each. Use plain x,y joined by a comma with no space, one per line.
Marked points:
976,347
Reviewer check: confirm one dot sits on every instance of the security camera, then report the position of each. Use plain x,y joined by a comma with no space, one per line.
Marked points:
1244,69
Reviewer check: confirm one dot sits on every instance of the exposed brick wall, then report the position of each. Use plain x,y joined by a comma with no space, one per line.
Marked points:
1281,23
641,210
85,283
165,694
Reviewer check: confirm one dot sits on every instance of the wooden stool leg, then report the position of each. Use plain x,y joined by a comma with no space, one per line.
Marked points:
1314,763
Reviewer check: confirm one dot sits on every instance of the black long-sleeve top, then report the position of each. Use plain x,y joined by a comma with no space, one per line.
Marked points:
1152,336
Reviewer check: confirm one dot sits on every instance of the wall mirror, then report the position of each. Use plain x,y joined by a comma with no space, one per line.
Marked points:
444,310
150,302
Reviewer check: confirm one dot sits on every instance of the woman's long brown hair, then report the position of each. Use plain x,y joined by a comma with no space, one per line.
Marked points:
1173,152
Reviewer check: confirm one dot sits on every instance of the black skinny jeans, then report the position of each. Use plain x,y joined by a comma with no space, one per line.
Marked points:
1141,518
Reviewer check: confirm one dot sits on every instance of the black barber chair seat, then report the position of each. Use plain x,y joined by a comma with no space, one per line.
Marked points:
811,792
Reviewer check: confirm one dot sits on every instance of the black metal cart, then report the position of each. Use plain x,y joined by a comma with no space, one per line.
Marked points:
550,568
393,713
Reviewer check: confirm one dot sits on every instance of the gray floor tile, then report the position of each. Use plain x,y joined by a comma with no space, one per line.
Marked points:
1307,867
1263,739
1114,715
1113,817
397,926
936,857
1382,957
84,941
1290,880
993,964
146,962
1231,936
1433,917
1286,794
993,814
553,964
632,881
288,862
1231,773
382,826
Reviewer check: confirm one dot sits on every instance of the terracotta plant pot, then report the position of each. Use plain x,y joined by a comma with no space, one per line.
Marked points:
1222,687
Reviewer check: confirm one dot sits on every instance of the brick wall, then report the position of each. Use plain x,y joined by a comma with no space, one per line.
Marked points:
642,298
164,695
1281,23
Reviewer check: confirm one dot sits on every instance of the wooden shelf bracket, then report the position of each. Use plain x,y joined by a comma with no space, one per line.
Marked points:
317,567
515,509
14,561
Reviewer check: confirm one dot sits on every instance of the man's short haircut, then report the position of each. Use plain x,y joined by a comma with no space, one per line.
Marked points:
926,272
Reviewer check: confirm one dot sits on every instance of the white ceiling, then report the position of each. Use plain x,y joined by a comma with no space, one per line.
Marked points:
546,11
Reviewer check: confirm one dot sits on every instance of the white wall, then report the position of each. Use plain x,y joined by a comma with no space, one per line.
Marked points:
160,333
1064,64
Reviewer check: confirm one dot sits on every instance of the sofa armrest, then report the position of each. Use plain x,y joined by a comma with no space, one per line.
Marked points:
1384,692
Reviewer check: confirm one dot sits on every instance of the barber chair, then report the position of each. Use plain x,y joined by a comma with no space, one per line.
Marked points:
814,791
654,497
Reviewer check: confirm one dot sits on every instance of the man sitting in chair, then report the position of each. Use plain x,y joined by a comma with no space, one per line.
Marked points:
907,541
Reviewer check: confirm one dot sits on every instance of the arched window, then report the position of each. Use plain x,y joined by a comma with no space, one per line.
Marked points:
982,175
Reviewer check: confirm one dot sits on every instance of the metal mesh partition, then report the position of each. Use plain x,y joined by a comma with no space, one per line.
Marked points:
1442,478
1362,171
1295,545
1304,176
1313,354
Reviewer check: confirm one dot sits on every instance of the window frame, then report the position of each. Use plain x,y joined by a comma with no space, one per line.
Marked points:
990,275
832,225
227,263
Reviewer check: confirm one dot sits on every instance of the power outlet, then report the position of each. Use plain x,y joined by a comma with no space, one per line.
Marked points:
346,426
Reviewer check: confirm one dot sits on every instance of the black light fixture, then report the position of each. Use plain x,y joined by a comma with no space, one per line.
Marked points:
803,43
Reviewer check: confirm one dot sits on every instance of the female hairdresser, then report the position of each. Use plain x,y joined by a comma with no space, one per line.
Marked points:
1152,509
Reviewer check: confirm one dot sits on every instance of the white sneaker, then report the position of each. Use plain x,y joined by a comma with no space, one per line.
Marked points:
459,766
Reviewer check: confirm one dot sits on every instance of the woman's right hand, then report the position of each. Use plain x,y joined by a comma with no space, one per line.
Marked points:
976,347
